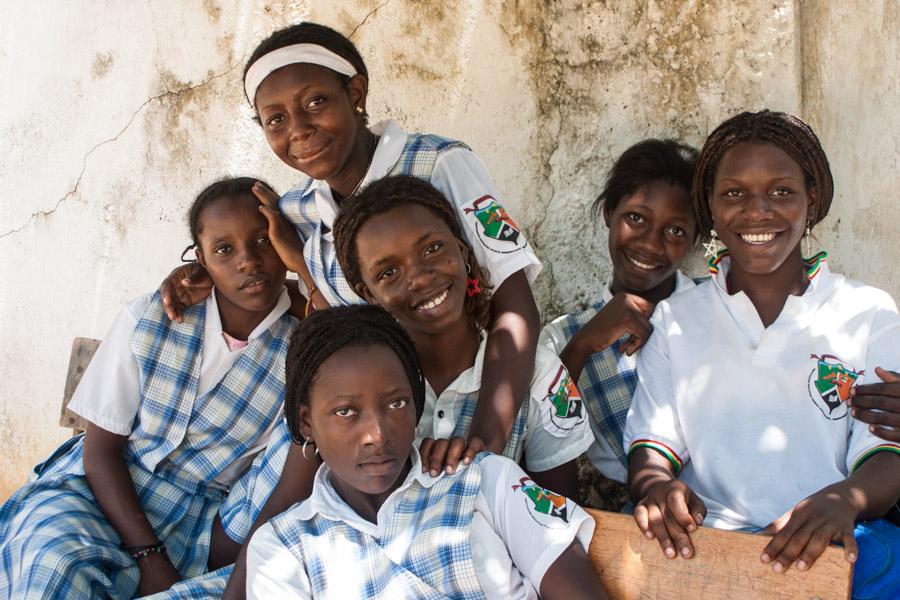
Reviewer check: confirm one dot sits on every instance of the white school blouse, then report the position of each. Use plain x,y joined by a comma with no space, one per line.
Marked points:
109,393
512,544
755,417
548,441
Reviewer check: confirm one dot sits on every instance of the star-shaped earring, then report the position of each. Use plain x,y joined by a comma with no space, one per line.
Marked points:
712,247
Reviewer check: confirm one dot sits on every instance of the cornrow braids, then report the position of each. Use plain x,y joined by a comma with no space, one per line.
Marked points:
787,132
645,162
398,190
327,331
230,187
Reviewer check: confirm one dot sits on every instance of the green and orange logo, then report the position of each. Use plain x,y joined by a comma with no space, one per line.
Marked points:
562,409
830,383
543,501
495,228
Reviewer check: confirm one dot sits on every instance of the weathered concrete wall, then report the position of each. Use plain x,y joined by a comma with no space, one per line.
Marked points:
111,121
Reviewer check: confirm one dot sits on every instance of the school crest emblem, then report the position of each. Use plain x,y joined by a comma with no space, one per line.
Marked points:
830,383
562,408
545,507
494,227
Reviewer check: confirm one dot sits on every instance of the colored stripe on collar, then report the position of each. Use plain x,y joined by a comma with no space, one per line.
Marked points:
715,260
813,264
872,452
670,454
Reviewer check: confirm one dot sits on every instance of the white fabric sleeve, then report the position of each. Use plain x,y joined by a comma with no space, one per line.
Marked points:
272,569
109,392
552,336
461,176
553,439
533,537
653,419
883,351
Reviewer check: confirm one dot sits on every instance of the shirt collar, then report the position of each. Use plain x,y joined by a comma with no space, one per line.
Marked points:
325,500
821,279
214,320
468,381
391,141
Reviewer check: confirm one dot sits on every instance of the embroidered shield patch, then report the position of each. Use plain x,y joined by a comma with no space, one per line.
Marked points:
562,408
494,227
547,508
830,383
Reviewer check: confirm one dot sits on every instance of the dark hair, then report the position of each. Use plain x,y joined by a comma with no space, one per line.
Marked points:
390,192
310,33
325,332
645,162
787,132
230,187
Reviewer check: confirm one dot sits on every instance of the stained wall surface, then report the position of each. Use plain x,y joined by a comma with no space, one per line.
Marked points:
114,114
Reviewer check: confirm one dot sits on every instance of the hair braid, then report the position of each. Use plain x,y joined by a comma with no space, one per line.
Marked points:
325,332
224,188
787,132
388,193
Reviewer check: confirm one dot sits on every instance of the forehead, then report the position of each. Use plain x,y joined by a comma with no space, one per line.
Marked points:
757,159
660,198
290,79
231,214
359,371
397,229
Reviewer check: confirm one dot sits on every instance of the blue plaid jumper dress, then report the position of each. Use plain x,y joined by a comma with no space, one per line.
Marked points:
299,207
437,564
55,542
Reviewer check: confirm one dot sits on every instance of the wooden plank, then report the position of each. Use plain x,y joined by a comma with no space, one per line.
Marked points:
83,350
725,565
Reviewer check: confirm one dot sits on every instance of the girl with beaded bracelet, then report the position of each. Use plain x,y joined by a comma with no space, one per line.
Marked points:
175,413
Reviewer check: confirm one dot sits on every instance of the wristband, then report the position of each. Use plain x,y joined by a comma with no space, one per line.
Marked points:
138,552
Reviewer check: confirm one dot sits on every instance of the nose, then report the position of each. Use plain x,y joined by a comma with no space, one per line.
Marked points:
651,241
300,126
249,257
757,207
373,430
419,275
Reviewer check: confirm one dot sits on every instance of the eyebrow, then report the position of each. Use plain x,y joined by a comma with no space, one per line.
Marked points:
295,96
737,179
391,257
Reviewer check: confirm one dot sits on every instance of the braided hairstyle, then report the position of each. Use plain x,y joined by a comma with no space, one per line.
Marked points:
310,33
787,132
327,331
389,193
645,162
230,187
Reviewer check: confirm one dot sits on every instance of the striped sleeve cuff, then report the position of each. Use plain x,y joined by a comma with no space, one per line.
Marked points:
670,454
866,455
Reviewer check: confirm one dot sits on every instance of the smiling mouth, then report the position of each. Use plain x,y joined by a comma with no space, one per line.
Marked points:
305,156
757,239
433,303
255,283
642,265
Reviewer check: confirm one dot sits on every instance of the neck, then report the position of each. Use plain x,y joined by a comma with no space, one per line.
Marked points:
440,366
345,183
653,295
363,504
769,291
237,322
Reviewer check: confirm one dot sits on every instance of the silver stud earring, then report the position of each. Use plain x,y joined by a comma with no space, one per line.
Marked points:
713,247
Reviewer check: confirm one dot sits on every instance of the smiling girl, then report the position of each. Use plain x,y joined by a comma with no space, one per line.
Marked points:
377,526
740,418
646,205
175,413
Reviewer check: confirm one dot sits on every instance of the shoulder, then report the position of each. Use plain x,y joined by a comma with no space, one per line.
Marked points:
138,306
296,193
436,143
863,295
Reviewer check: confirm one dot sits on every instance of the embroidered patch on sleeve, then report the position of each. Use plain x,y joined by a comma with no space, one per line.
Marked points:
562,409
548,509
830,382
493,226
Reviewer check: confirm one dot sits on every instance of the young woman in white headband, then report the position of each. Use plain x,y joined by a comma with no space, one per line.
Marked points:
308,85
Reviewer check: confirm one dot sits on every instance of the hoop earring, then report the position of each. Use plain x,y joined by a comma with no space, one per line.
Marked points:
472,287
713,247
303,448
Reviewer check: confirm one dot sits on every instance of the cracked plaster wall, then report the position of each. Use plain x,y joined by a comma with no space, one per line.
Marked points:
111,123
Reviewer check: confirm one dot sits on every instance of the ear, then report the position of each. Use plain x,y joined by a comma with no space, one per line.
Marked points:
812,192
305,427
607,214
363,291
200,257
359,90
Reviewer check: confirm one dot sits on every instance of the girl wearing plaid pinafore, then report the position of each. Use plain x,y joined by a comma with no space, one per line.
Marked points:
201,404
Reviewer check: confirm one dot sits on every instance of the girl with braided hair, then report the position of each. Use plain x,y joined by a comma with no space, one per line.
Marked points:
747,377
376,525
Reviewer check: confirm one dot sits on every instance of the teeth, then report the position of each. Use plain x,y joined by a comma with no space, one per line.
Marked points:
641,265
757,238
434,302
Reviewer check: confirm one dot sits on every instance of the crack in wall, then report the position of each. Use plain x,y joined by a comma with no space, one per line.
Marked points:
366,18
74,189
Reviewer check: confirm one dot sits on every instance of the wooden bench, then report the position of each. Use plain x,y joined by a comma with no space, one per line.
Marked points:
83,350
725,565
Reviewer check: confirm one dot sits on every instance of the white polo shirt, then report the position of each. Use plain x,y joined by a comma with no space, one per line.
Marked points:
549,440
461,176
757,415
109,393
513,544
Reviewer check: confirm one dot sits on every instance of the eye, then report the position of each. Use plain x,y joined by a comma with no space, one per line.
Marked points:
434,247
316,103
273,122
675,231
263,240
387,273
782,191
222,249
636,218
344,411
398,404
733,193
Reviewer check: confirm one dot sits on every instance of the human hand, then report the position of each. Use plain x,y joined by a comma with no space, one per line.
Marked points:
282,234
625,314
878,404
444,454
157,574
803,533
186,285
669,512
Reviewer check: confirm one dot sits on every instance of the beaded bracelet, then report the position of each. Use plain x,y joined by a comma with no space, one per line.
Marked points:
138,552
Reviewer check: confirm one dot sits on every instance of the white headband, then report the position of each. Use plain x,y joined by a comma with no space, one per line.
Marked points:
289,55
